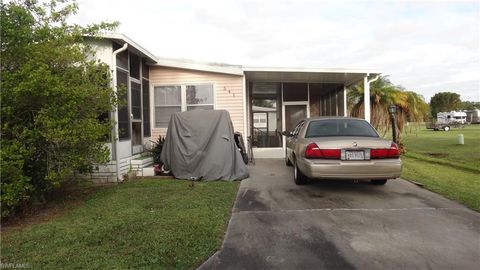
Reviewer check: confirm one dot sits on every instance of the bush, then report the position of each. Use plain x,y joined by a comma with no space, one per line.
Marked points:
52,96
157,150
15,185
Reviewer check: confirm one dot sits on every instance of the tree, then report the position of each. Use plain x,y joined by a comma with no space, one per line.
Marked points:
52,96
411,107
444,102
469,105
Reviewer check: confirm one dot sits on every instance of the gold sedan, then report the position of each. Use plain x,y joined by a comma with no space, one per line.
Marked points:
341,148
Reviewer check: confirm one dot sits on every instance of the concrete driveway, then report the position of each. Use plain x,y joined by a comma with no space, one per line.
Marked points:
344,225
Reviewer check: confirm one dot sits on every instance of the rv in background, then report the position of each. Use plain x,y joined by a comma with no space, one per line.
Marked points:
473,116
447,120
451,117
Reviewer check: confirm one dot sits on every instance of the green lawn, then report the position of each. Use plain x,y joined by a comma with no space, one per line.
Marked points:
151,224
435,159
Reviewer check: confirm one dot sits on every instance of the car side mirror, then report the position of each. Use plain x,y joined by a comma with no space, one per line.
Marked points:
287,133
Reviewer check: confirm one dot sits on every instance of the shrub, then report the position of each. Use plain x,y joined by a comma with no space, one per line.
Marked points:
15,185
52,96
157,150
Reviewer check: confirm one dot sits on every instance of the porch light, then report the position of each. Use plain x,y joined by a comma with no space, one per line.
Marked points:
392,109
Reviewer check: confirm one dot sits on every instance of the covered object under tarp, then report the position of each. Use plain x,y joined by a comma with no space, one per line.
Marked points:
200,145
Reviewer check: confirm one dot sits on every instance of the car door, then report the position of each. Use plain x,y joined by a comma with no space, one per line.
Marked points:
291,140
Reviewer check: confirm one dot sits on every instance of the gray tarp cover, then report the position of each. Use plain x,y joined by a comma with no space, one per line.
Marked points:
200,145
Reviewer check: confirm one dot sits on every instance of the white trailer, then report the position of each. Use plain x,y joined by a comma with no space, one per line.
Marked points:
451,117
447,120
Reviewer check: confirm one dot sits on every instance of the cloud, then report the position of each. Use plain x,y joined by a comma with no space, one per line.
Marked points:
425,46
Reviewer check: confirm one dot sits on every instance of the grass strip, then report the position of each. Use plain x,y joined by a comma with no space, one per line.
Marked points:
150,224
460,166
459,185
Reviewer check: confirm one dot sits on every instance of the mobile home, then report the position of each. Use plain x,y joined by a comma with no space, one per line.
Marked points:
262,101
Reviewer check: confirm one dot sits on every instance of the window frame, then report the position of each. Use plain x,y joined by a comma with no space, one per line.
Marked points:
183,98
139,83
146,108
121,136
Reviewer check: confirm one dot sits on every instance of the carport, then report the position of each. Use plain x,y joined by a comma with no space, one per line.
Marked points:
278,98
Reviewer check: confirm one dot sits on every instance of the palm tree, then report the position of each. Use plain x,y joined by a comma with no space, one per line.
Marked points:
411,107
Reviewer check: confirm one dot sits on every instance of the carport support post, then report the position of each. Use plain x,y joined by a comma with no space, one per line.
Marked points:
366,97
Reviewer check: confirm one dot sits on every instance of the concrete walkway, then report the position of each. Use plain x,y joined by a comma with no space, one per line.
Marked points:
344,225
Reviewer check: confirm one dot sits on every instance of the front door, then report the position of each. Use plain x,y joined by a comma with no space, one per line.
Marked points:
293,113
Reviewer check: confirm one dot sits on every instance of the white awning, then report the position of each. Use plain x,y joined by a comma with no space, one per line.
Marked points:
310,75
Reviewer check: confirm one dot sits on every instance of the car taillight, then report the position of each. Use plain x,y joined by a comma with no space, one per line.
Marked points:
313,151
391,152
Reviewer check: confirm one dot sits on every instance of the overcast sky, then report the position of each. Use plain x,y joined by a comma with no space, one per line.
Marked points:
425,46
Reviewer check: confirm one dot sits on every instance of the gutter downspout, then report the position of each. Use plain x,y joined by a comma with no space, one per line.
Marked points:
366,95
115,111
374,79
244,103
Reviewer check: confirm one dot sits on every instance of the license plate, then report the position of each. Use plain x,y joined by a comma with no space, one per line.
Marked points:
354,155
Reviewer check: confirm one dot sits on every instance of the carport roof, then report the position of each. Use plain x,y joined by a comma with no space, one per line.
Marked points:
311,75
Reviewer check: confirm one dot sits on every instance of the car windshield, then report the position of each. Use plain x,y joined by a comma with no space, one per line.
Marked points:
340,127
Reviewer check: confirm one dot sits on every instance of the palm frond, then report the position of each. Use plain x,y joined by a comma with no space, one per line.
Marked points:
411,107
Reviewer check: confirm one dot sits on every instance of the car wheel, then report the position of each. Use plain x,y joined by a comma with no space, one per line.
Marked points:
446,128
379,182
245,158
299,177
287,161
164,171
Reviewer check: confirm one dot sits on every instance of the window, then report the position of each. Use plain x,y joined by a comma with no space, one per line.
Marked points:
134,66
260,120
168,100
178,98
123,117
340,127
145,69
136,101
146,108
297,129
199,97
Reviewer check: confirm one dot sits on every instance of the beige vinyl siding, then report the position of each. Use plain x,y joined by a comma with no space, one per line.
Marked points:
228,91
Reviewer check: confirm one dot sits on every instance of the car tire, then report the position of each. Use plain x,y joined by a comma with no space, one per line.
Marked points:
379,182
245,158
164,171
287,161
447,128
298,176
